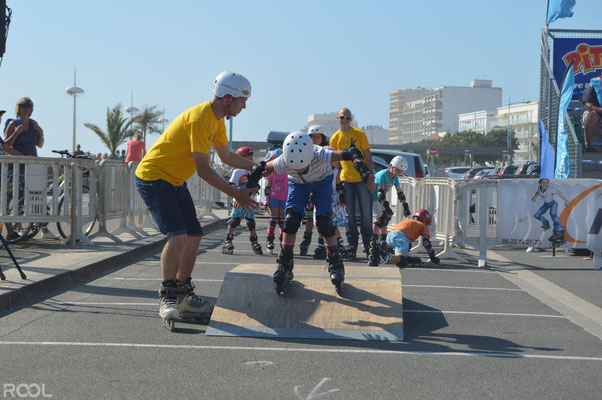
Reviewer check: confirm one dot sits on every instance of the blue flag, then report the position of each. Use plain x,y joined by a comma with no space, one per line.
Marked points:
563,164
560,9
547,154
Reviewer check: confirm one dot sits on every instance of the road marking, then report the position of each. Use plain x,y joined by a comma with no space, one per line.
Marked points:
315,392
462,287
95,303
198,262
577,310
484,313
157,279
307,350
417,286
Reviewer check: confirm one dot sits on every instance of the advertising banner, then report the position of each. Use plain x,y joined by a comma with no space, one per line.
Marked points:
586,54
533,212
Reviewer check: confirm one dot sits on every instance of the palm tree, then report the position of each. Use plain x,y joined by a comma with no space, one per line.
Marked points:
117,128
148,121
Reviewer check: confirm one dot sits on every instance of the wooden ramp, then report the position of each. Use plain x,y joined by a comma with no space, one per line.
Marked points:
370,309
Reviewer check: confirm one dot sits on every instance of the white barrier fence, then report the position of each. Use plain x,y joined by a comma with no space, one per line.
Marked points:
103,193
465,213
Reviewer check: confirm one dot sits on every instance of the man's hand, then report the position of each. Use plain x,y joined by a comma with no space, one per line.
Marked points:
352,153
433,257
243,198
406,210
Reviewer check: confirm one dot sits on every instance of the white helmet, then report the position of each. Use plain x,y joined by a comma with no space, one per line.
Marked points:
400,163
315,129
233,84
297,150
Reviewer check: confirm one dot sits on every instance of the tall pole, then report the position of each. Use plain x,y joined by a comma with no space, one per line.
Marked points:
74,91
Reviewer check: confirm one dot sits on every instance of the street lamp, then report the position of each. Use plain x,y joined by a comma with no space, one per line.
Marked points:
74,91
131,109
163,120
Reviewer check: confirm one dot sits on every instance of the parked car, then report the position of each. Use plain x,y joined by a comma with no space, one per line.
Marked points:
522,169
415,163
508,170
456,172
534,170
483,173
472,172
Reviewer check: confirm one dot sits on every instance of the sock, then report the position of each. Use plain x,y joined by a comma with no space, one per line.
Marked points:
331,249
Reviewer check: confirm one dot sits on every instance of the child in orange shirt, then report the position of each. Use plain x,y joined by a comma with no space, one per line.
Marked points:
402,236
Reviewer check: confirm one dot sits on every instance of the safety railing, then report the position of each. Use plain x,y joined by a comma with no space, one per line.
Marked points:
38,190
104,192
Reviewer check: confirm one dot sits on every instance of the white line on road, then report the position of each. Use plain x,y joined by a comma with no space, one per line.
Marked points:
405,286
94,303
306,350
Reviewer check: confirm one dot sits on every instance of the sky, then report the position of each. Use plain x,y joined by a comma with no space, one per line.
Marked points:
301,57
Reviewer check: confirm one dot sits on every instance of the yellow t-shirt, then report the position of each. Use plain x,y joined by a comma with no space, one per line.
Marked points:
342,141
170,158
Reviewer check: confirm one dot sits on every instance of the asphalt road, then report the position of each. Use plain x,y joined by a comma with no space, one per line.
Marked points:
470,334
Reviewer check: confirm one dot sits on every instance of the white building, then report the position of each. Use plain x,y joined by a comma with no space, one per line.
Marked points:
397,100
441,106
523,121
328,120
478,121
376,134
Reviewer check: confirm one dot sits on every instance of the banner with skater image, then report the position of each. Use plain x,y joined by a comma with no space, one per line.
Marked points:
538,212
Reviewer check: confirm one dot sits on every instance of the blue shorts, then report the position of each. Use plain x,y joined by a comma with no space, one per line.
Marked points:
171,206
298,196
241,213
277,203
399,241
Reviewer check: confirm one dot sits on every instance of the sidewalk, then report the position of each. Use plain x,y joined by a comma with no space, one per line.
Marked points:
51,266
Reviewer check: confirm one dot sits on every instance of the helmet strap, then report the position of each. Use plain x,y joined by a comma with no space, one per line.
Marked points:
227,101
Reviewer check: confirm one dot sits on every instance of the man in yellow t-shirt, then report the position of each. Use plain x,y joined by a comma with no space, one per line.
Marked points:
355,186
180,152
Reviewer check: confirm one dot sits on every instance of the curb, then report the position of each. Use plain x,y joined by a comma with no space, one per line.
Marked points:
86,272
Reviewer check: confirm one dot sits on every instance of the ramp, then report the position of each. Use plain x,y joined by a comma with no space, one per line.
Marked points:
370,309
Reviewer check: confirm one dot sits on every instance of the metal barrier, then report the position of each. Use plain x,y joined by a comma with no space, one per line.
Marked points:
41,193
105,192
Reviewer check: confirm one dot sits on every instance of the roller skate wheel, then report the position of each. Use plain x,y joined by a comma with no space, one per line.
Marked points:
170,324
339,289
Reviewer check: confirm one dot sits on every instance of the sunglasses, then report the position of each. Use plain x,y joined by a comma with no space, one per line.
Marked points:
24,106
342,117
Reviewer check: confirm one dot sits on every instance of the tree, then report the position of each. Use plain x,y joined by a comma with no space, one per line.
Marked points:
117,128
148,121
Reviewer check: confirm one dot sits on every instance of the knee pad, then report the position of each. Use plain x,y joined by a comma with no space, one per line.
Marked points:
280,222
382,222
325,227
234,222
273,222
251,223
292,222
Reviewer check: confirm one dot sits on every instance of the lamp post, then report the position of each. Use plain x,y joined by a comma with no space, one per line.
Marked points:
74,91
131,109
163,120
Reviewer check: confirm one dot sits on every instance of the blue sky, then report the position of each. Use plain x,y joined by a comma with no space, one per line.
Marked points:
301,57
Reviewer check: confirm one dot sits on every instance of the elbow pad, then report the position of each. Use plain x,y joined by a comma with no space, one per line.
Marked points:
255,176
381,195
363,170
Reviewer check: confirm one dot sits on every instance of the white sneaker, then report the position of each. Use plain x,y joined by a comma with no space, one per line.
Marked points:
49,235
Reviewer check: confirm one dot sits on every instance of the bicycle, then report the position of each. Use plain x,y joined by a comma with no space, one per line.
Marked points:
30,230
